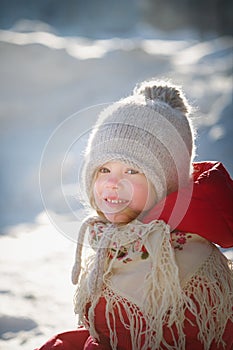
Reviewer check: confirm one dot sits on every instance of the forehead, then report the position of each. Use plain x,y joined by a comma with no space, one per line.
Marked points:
120,164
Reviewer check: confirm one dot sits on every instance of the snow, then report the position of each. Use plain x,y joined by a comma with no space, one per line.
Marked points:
52,88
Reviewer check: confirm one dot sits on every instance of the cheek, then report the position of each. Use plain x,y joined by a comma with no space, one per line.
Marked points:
140,193
97,191
144,196
97,187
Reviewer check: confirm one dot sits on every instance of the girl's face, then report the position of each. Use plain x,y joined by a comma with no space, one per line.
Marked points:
122,193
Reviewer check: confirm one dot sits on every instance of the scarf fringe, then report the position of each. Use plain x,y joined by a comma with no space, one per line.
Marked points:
164,300
78,255
207,295
211,289
132,320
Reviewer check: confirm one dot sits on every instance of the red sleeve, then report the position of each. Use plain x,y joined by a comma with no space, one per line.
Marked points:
73,340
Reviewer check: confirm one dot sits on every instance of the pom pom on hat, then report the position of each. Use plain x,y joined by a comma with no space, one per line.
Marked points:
160,91
149,130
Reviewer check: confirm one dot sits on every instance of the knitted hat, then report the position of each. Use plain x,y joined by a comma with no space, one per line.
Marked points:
148,130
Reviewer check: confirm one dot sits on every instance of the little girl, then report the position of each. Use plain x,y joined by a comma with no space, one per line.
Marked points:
155,279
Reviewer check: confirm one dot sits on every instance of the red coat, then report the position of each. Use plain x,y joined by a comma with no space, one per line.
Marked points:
81,340
209,214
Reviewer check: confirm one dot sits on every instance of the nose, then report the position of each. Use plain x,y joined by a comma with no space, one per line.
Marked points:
112,182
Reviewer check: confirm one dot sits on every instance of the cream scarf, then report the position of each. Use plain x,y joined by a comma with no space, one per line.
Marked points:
134,266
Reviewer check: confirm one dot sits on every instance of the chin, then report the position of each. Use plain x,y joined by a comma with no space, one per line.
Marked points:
124,217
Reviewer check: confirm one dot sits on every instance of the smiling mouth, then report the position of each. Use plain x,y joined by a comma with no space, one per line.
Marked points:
115,201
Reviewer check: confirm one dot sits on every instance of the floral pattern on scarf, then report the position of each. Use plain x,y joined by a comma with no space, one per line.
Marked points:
121,252
179,239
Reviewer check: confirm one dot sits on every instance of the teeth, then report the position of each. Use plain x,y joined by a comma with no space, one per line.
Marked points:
116,201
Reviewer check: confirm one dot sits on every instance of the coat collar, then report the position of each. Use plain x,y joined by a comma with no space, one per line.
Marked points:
207,212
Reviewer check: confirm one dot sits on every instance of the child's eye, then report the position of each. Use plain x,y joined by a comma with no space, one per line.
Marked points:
132,171
104,170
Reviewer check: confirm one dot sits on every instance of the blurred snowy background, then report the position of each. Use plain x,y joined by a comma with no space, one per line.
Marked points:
58,58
